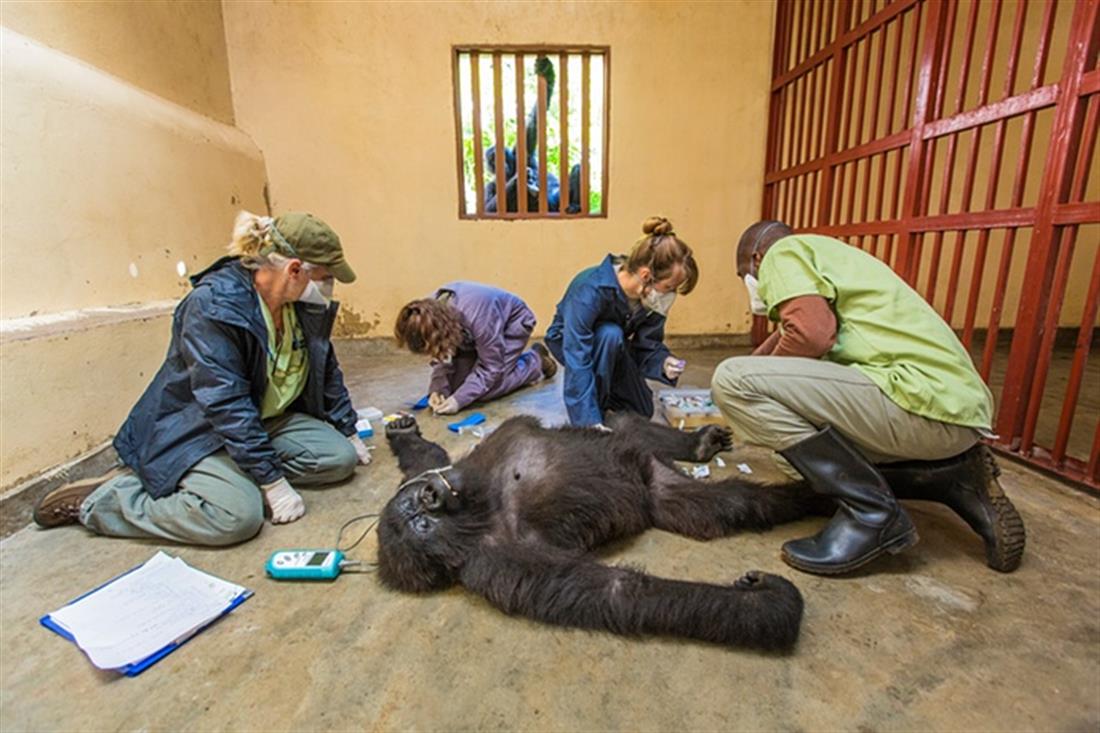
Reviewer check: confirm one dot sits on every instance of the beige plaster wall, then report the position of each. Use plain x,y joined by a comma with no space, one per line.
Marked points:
107,188
352,106
174,49
64,394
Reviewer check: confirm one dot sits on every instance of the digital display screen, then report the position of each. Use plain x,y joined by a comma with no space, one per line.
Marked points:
317,559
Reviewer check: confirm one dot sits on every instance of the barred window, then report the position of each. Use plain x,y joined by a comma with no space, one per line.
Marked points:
547,109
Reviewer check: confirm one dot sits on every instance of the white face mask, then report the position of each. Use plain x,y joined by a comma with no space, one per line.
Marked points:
758,306
314,294
659,302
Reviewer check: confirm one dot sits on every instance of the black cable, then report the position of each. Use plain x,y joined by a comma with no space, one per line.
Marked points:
340,534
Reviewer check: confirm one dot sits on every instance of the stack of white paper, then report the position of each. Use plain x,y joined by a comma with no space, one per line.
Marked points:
161,603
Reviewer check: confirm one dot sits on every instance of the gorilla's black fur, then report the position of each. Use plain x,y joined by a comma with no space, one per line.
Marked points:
515,521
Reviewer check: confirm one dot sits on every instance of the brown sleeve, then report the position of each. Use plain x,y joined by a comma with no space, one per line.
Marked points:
808,327
767,346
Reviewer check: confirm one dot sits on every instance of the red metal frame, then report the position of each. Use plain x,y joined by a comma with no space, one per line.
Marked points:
833,136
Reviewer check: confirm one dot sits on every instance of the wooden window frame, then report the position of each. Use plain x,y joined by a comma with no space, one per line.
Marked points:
560,53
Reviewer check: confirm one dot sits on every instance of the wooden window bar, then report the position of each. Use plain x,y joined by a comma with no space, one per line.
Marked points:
489,189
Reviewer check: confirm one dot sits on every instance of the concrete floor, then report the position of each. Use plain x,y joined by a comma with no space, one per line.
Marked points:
928,640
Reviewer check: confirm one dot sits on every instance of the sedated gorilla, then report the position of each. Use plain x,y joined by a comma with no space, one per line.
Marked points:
516,520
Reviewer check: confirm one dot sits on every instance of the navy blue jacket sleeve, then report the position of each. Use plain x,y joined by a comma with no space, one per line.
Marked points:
214,355
580,310
338,407
650,349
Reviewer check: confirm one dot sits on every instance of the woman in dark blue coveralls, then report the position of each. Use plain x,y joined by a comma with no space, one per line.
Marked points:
609,327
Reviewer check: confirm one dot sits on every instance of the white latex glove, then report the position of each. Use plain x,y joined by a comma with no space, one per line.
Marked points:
673,367
448,406
362,451
435,399
285,503
602,428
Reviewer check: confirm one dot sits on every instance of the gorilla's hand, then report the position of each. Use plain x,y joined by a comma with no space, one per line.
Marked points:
403,425
711,440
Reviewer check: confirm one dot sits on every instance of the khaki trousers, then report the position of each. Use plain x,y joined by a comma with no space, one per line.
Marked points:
217,503
777,401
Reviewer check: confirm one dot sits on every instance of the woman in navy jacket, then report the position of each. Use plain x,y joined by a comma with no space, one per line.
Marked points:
250,397
608,330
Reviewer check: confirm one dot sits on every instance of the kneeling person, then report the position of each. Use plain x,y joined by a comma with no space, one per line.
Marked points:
869,394
249,399
476,336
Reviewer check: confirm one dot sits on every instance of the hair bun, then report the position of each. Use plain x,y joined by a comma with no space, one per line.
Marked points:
657,225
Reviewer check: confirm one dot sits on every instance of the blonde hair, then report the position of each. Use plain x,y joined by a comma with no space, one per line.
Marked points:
662,252
252,241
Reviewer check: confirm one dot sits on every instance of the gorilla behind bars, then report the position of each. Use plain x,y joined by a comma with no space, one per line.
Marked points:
516,519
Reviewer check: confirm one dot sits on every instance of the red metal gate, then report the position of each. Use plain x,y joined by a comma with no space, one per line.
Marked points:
954,141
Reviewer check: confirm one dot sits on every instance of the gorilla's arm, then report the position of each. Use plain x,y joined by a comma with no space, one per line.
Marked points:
669,443
759,610
415,455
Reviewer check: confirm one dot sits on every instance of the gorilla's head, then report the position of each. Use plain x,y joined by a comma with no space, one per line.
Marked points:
425,532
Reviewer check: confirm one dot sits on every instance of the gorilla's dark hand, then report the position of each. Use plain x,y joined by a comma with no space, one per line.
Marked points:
711,440
414,454
403,425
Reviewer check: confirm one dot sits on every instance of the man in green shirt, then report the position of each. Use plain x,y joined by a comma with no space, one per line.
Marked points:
868,394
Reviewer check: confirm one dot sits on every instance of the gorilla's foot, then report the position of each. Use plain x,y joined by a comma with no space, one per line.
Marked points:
711,440
546,360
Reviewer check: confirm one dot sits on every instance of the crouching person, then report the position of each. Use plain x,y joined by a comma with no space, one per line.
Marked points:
249,403
869,395
476,336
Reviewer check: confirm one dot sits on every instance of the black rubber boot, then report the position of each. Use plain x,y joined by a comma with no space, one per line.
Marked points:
869,521
968,484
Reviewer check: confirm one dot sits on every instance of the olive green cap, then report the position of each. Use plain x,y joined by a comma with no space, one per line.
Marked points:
302,235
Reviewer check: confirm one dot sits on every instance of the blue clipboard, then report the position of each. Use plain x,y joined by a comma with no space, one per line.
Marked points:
133,670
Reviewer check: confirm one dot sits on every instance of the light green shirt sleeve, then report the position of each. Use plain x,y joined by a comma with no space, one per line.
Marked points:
789,271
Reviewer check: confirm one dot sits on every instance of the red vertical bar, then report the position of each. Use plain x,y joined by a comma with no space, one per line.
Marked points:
911,70
1093,470
1077,369
1026,136
809,90
797,53
880,71
861,116
895,66
928,71
1049,331
833,108
994,177
1022,367
803,117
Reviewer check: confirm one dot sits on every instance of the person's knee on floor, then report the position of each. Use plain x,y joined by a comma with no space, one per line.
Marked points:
234,525
969,484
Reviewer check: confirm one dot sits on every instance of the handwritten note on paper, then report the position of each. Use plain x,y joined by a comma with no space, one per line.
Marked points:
162,602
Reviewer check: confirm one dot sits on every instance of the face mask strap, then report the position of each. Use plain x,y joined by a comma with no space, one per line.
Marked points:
426,475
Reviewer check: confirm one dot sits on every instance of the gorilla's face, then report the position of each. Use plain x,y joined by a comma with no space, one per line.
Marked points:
420,544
